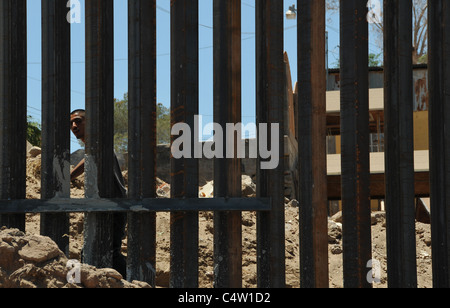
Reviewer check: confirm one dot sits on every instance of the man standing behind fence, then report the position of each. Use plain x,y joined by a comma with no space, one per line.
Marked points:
77,126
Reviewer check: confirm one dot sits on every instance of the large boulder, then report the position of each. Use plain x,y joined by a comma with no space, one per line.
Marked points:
35,261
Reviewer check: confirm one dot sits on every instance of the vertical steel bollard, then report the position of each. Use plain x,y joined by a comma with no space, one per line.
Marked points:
355,142
439,121
13,105
55,170
141,254
227,172
312,145
399,136
184,171
98,227
270,101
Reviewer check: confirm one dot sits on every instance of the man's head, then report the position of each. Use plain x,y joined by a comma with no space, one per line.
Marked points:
77,123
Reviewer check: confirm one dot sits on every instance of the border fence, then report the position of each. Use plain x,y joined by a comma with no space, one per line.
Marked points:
227,205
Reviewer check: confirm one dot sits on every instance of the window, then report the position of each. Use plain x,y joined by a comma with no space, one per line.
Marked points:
376,142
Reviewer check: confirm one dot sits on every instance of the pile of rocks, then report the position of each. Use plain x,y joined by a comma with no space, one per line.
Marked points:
335,229
34,261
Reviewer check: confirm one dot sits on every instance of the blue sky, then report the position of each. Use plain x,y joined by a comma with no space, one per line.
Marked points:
163,52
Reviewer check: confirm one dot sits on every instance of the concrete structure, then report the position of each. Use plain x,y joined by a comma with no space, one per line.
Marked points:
376,125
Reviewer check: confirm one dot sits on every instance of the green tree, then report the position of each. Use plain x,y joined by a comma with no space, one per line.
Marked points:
33,132
162,124
375,59
121,124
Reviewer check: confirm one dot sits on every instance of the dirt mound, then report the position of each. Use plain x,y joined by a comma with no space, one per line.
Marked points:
206,230
34,261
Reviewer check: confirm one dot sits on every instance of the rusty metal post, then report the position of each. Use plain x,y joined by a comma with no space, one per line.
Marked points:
355,142
13,105
439,121
184,171
399,146
141,254
312,145
55,171
98,229
270,98
227,172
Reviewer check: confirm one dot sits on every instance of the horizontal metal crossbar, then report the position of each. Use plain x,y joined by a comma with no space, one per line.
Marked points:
58,205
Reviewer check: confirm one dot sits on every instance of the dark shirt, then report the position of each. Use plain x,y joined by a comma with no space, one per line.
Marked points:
120,191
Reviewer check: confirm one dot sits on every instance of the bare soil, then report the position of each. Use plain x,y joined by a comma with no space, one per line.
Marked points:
206,229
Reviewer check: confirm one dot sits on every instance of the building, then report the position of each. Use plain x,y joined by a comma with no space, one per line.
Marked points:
376,109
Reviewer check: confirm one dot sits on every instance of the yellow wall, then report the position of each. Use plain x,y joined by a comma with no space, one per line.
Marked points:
420,142
421,131
338,144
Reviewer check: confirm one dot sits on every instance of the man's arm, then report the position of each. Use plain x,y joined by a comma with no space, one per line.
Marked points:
77,171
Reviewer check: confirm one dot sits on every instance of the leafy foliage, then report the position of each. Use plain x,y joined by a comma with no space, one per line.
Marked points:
162,124
375,59
121,124
33,132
